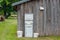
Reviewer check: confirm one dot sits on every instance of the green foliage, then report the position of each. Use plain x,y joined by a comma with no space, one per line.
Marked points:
12,1
1,13
6,6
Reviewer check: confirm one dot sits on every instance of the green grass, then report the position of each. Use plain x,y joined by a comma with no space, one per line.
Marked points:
42,38
8,32
8,29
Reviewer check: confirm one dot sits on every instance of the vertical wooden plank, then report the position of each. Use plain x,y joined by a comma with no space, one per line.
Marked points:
47,26
37,11
58,18
47,18
26,8
58,13
44,4
55,5
18,21
35,17
41,27
30,7
52,17
21,17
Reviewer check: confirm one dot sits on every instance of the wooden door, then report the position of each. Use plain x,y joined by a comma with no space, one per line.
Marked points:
28,25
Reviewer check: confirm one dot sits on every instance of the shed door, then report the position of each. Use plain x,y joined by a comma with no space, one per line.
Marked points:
28,25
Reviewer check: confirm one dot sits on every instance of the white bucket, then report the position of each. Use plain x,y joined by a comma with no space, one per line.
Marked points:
19,34
36,34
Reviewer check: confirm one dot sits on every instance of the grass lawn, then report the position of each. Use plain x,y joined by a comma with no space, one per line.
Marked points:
8,29
8,32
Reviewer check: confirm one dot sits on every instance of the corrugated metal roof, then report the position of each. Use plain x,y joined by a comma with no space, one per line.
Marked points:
20,2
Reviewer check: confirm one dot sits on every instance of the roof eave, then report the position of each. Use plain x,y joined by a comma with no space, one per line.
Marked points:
20,2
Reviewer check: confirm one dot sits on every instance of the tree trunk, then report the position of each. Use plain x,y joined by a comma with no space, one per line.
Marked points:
5,14
8,15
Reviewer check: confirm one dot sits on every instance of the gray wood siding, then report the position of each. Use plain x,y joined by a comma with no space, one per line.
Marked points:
51,17
46,22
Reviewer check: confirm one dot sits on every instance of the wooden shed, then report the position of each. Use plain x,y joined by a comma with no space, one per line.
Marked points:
38,17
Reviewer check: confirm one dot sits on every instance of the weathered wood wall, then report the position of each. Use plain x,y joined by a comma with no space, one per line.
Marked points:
52,17
46,22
